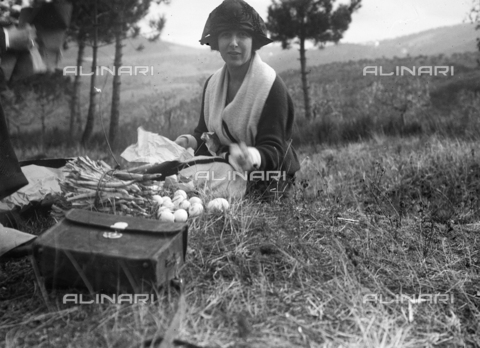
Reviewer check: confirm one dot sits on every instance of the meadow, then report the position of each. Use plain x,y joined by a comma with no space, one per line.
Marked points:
378,246
369,222
347,106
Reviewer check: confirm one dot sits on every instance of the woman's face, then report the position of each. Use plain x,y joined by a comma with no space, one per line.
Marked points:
235,47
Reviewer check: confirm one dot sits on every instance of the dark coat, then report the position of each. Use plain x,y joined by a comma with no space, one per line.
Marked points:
11,176
274,131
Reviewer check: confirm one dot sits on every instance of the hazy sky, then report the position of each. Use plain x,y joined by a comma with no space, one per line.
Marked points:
376,19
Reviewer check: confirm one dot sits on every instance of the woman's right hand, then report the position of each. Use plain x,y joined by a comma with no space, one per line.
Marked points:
240,157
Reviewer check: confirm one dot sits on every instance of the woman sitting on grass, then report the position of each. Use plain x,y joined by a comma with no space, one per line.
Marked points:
247,114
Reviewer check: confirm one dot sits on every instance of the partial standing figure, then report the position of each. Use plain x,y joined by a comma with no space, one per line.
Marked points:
12,242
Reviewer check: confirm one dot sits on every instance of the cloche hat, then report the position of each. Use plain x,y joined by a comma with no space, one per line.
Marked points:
234,15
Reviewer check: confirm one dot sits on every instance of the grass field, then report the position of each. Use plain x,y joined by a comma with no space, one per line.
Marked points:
368,222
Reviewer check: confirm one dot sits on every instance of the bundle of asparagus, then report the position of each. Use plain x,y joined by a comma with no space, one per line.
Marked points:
94,185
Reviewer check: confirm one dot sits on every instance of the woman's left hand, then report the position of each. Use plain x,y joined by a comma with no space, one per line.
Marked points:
240,158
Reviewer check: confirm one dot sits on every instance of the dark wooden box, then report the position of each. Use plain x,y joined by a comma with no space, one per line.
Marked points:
92,250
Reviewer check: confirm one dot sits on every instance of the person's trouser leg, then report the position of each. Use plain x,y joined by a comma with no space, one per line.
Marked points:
14,243
11,176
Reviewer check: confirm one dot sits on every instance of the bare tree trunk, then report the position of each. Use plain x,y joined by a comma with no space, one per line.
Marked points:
93,93
115,111
44,127
74,103
306,94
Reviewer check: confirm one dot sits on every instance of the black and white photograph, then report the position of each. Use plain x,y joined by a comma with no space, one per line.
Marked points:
240,173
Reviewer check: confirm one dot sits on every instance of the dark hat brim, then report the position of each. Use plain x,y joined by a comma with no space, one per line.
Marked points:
234,15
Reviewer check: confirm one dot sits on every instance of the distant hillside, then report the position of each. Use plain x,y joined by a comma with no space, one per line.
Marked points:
447,40
177,69
181,69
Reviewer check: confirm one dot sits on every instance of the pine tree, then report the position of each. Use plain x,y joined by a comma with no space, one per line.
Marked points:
475,18
313,20
97,13
80,32
127,13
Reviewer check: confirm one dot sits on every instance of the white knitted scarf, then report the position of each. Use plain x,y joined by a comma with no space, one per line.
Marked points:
243,113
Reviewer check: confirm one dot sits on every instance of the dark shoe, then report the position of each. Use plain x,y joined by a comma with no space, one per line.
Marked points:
19,252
